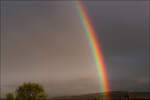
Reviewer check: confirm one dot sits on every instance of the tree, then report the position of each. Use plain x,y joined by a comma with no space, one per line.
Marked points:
41,96
10,96
30,91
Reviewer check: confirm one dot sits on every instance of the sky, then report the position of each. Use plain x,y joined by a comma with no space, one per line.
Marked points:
45,42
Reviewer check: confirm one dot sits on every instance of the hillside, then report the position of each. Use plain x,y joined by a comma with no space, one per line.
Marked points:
114,96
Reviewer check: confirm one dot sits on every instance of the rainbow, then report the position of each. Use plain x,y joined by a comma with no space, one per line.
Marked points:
95,47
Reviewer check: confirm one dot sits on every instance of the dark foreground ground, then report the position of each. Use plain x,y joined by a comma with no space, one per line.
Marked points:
113,95
117,95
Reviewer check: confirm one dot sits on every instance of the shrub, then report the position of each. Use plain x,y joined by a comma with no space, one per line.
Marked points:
97,98
41,96
10,96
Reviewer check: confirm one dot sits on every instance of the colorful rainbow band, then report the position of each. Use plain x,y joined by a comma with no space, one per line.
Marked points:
95,47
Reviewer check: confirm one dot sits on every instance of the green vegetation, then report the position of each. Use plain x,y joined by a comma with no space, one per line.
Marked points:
41,96
10,96
32,91
28,91
97,98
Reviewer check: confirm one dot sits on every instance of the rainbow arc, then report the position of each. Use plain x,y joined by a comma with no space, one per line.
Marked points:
95,47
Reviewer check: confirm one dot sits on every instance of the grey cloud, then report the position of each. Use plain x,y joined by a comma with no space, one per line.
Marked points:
46,43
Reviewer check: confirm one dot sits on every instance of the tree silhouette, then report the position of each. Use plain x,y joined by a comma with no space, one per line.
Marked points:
30,91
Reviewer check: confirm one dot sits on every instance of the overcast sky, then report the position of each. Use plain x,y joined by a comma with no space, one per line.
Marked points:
45,42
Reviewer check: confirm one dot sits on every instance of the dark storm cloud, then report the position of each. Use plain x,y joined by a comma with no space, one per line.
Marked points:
46,43
123,31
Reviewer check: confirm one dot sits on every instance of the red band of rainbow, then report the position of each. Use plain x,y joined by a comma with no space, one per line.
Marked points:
95,47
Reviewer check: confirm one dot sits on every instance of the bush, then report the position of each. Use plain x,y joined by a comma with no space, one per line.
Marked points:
97,98
16,98
41,96
29,91
10,96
